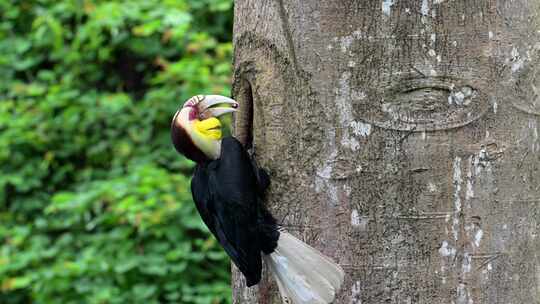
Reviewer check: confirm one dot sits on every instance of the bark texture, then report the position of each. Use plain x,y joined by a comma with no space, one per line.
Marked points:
402,139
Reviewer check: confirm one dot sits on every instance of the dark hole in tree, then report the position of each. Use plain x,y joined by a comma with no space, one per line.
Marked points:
244,131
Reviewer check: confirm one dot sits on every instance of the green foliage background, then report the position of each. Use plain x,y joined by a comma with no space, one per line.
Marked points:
94,202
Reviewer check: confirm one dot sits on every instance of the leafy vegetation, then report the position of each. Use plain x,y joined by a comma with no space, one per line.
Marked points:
94,201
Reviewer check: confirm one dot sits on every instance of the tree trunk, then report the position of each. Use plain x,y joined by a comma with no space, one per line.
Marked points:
402,141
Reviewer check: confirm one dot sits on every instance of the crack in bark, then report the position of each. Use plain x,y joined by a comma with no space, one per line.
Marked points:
288,35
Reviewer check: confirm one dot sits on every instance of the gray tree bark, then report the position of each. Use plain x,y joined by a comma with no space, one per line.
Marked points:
402,140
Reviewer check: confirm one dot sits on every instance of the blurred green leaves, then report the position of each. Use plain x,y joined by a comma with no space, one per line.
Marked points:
94,201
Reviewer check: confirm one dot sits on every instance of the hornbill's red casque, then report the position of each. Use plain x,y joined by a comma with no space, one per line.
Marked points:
228,189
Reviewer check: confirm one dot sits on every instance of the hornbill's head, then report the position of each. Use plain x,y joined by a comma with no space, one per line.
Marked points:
198,127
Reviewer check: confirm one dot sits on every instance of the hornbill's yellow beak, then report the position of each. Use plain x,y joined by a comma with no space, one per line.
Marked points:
197,128
215,106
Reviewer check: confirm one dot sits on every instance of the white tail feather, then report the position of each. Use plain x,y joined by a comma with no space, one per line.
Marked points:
302,273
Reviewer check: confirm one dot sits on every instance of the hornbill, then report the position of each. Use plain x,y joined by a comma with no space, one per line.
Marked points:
228,189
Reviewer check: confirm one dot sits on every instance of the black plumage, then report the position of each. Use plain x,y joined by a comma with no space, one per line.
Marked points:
228,194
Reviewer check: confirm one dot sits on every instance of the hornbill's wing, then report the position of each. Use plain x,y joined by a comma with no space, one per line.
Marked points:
226,194
201,195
